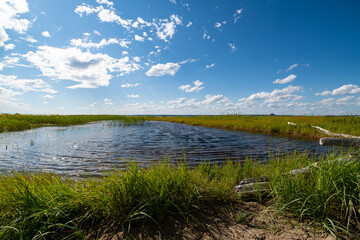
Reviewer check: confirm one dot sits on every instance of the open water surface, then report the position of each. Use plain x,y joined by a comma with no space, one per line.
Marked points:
99,146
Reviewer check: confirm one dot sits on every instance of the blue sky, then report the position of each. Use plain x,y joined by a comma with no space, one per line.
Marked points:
179,57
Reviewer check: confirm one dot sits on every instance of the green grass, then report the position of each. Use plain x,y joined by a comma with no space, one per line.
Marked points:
277,125
18,122
48,206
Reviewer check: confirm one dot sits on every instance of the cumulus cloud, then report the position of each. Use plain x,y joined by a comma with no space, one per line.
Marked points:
9,46
128,85
275,96
206,35
3,36
105,2
232,47
94,104
46,34
89,70
25,85
158,70
104,15
196,88
292,67
210,102
48,96
139,38
164,28
132,96
108,102
331,102
189,24
288,79
343,90
10,19
237,15
30,39
85,43
210,66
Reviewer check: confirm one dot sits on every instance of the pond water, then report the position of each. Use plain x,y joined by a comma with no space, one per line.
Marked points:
99,146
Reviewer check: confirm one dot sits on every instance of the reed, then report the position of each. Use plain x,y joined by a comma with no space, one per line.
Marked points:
18,122
277,125
49,206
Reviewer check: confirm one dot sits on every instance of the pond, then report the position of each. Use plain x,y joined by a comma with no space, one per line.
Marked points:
99,146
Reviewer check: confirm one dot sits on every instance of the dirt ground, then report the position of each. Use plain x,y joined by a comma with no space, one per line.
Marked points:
248,220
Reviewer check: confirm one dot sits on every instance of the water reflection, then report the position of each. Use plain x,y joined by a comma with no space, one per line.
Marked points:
100,146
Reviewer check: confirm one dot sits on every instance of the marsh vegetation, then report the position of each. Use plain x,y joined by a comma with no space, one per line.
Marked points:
49,206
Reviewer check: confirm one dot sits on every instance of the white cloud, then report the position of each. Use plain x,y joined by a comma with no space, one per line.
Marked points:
46,34
85,43
217,25
136,59
96,32
10,19
166,30
331,102
3,36
9,46
292,67
189,24
104,15
132,96
105,2
343,90
162,69
108,102
288,79
85,8
173,1
145,34
94,104
197,87
219,102
232,47
139,38
205,35
275,96
49,96
176,19
25,85
89,70
210,66
237,15
29,39
125,53
128,85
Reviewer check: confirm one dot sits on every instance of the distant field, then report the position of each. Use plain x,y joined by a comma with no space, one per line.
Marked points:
277,125
18,122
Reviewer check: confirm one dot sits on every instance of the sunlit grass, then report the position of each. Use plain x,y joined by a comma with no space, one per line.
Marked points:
18,122
277,125
36,205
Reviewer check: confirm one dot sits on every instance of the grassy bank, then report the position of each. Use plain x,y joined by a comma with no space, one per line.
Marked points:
18,122
275,124
47,206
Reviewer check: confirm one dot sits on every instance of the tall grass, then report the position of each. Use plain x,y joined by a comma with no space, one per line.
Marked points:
18,122
275,124
48,206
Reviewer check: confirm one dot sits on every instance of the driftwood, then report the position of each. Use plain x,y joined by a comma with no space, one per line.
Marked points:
327,141
253,185
327,132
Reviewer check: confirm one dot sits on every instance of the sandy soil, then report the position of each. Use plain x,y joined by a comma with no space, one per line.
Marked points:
254,221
